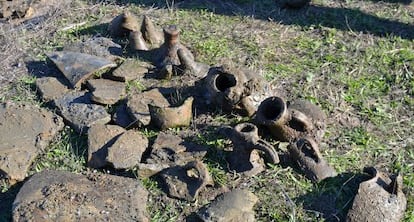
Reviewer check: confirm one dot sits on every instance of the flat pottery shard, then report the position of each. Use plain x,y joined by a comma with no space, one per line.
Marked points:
138,105
24,131
77,67
127,150
379,199
97,46
100,138
236,205
130,69
106,91
76,108
185,182
50,88
64,196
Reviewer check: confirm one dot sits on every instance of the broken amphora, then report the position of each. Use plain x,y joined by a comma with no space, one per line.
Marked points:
232,88
246,142
123,24
285,124
172,116
185,182
379,199
166,56
305,153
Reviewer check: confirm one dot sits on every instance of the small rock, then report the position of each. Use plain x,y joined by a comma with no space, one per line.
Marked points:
100,137
24,131
50,88
77,109
64,196
122,118
130,69
106,91
78,67
236,205
138,105
185,182
127,150
97,46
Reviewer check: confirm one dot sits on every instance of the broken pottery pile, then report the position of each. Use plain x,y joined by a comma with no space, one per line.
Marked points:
94,76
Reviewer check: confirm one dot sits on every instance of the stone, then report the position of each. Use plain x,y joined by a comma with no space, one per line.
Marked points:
122,118
127,150
78,67
106,91
65,196
25,131
130,69
236,205
50,88
97,46
76,108
138,105
100,137
185,182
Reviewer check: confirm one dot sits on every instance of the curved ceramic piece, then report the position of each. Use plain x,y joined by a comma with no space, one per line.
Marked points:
136,42
150,33
379,199
191,67
171,117
305,152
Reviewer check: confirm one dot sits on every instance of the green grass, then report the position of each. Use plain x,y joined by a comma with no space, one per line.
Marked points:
352,75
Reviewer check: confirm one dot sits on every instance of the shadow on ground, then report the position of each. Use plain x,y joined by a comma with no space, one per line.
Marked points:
352,20
6,202
333,197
